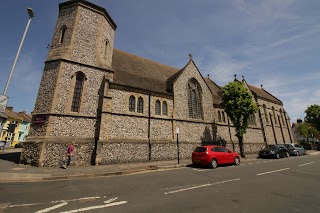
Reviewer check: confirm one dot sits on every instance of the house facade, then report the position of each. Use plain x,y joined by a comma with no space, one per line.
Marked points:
118,107
20,124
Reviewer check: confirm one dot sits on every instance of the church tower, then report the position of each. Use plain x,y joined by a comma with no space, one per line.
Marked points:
69,101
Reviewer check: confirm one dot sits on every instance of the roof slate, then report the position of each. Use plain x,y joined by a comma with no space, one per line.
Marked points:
138,72
135,71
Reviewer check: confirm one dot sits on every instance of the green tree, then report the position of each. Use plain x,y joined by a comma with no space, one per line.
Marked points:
306,130
239,105
313,116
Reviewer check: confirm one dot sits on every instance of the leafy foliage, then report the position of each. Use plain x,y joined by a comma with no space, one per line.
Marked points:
313,116
239,105
306,130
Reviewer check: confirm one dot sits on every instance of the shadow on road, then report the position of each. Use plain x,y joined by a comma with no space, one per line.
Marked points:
13,157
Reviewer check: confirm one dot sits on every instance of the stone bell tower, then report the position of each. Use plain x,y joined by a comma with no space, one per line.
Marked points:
70,96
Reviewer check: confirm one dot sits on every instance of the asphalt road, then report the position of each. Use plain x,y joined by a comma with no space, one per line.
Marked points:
263,185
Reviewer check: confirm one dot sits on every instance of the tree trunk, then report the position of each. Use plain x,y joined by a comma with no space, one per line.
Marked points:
241,147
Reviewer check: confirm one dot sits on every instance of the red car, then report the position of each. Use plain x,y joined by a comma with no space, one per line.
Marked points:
214,156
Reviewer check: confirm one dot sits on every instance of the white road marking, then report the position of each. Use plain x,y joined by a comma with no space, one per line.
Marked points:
249,163
56,201
96,207
52,208
306,164
279,170
200,170
200,186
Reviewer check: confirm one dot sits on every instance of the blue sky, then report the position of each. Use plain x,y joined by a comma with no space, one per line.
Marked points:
273,43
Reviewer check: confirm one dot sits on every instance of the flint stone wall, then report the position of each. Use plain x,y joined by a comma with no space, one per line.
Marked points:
73,126
47,88
30,153
55,154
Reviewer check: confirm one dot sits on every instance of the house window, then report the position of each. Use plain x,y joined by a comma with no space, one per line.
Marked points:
265,113
194,99
164,108
140,105
62,33
223,117
219,116
158,108
132,103
76,100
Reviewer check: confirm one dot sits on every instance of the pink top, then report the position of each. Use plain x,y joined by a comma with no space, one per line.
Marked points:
70,149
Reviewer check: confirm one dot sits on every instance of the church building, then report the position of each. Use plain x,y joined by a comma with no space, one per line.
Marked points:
118,107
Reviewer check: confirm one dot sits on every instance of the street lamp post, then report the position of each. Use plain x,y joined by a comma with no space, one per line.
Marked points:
30,12
3,97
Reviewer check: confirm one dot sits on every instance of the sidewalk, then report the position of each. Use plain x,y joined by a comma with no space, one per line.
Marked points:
13,172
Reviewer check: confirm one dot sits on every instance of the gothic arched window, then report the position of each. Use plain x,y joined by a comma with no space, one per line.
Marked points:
62,33
265,113
132,103
140,105
77,93
164,108
223,117
194,99
219,116
158,107
274,116
105,51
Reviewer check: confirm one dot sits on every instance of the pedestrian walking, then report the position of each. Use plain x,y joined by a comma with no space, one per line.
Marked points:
69,155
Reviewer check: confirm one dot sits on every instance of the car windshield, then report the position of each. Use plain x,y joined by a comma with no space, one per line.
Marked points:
200,149
270,147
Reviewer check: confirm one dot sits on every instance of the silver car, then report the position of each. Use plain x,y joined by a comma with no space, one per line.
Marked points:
295,149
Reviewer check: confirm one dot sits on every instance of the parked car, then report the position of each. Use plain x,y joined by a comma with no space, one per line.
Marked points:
214,156
295,149
273,151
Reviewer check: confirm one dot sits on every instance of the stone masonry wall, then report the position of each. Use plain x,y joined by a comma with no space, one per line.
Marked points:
47,88
72,126
90,96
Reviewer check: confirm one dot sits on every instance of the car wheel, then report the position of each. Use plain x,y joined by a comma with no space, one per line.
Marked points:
16,146
277,155
214,163
237,161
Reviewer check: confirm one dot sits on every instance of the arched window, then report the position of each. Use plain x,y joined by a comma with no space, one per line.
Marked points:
62,33
158,107
194,99
281,114
164,108
77,93
274,116
140,105
223,117
252,120
132,103
105,51
265,113
219,116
